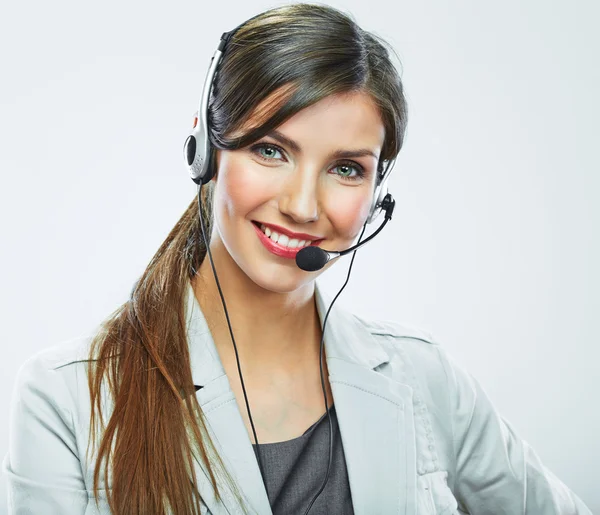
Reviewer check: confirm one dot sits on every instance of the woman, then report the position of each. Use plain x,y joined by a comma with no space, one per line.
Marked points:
178,405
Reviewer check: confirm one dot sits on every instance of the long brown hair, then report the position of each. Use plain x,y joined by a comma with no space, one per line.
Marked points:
157,428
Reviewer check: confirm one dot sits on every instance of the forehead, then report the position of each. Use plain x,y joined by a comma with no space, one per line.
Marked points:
345,120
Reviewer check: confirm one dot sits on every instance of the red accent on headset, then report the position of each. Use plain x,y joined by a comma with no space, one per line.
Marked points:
195,121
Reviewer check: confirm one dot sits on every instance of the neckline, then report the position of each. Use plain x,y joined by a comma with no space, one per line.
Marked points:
303,435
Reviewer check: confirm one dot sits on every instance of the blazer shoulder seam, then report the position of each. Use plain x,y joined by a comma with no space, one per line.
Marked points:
407,337
399,330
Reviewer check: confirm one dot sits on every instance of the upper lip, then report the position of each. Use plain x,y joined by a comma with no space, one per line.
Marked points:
291,234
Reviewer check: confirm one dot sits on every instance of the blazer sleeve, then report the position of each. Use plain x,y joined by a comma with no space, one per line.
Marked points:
496,471
42,465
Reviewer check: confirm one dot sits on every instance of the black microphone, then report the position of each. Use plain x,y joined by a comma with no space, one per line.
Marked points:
314,258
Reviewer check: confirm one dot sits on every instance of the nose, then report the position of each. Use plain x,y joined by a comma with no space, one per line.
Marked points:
299,199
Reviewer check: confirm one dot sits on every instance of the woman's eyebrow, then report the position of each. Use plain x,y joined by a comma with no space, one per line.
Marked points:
338,154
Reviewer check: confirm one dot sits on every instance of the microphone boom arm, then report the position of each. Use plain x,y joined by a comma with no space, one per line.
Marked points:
314,258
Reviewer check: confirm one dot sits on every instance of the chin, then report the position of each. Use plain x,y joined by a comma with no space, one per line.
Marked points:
276,278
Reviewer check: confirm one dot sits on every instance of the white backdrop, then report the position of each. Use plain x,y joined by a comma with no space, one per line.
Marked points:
494,235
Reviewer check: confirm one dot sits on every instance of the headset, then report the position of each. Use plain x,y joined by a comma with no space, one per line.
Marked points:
198,152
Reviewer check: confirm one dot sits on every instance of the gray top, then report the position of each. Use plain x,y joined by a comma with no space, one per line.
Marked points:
295,470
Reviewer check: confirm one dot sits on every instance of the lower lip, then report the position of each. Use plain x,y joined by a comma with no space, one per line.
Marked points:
275,248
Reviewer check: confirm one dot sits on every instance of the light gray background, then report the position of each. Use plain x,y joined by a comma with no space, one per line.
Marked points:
494,235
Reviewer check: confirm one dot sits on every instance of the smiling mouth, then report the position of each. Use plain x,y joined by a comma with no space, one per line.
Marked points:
283,239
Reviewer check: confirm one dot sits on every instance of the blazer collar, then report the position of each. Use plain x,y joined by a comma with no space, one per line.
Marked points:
345,338
374,413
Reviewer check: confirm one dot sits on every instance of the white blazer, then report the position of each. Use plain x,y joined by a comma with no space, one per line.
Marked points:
419,434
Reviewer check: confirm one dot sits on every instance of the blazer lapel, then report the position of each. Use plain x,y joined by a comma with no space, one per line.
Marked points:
225,423
375,415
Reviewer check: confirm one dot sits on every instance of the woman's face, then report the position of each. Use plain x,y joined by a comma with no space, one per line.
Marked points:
315,175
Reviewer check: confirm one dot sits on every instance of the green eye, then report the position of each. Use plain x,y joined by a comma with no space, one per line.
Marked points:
346,170
267,151
271,149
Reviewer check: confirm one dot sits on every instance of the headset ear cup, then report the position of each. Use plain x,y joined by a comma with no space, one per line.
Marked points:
196,149
379,194
190,153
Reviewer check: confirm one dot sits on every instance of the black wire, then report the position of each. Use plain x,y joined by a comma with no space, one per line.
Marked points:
232,338
371,236
260,466
323,380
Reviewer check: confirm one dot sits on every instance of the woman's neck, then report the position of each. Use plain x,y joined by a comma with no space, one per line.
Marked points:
278,330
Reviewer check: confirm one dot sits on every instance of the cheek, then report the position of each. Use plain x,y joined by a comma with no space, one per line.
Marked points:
240,189
349,213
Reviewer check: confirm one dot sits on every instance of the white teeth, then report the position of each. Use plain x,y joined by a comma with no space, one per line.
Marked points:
266,230
282,239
